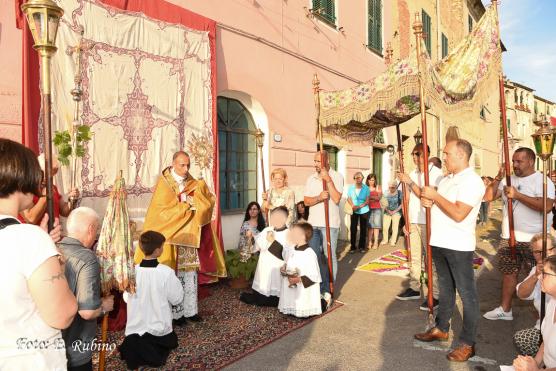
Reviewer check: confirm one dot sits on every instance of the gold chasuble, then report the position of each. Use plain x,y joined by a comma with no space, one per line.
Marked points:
190,239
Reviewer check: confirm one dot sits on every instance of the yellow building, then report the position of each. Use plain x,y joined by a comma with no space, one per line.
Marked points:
445,24
523,109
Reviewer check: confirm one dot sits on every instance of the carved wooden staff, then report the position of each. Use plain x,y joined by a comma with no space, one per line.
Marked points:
418,31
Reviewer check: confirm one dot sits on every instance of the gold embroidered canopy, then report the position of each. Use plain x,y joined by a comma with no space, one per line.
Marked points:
455,87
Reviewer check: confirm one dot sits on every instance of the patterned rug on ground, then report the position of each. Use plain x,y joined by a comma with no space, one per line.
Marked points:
395,264
230,330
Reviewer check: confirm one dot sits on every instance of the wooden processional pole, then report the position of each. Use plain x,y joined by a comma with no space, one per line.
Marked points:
316,92
506,147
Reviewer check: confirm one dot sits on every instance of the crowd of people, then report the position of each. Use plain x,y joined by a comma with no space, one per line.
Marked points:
54,296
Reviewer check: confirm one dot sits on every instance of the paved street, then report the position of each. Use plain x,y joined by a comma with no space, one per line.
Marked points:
373,331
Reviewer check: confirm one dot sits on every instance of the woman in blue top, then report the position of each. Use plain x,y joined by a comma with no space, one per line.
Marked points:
392,213
358,198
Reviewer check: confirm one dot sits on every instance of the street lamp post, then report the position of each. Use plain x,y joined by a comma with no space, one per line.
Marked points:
544,146
43,18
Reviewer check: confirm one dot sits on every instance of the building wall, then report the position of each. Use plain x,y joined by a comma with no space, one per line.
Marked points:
449,17
281,84
10,70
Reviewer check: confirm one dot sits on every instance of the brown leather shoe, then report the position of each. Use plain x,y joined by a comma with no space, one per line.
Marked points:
462,353
432,335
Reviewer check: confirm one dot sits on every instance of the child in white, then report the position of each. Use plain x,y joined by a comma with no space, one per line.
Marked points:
149,336
274,248
274,251
300,292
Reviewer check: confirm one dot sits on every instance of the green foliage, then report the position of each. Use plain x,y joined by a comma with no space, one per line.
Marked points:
237,268
62,142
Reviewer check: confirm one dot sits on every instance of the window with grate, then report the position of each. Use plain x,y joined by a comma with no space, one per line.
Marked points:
374,25
332,155
444,46
325,10
470,23
237,155
427,30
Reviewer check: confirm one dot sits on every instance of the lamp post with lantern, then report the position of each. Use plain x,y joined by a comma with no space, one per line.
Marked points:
418,137
43,18
544,146
259,137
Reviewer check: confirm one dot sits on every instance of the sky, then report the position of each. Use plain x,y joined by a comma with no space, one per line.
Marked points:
528,30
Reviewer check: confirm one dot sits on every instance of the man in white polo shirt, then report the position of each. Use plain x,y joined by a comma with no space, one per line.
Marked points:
454,209
314,198
417,231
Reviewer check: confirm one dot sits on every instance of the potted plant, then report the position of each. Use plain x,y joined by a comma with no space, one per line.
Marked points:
240,272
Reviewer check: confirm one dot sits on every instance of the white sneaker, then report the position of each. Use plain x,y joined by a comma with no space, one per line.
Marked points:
498,313
328,298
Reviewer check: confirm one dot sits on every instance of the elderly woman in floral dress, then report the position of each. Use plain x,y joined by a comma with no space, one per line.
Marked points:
280,195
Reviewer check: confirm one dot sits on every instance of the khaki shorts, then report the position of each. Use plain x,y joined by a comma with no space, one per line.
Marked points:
524,258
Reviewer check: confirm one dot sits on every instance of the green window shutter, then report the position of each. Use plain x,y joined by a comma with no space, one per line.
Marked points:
444,46
374,32
508,120
427,30
470,23
325,9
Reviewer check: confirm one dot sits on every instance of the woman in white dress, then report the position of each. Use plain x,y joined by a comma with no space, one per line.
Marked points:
300,292
546,356
280,194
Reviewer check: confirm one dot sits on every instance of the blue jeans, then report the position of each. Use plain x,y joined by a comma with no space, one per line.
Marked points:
455,271
318,244
483,212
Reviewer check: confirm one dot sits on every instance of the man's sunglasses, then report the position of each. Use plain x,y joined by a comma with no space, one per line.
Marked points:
418,154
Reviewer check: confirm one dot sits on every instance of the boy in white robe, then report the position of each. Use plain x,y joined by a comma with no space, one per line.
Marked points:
300,292
274,251
149,336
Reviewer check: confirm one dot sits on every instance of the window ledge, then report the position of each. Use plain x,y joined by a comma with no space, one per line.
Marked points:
232,212
326,21
375,51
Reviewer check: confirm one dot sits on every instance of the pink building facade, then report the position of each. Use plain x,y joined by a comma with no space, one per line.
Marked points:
267,54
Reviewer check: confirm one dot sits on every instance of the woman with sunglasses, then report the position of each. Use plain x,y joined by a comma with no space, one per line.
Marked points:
358,199
545,359
527,340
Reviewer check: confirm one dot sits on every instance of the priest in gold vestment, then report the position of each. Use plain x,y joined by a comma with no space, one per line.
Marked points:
181,209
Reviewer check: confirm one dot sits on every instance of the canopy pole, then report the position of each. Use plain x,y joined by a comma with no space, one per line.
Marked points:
418,31
405,197
506,146
316,90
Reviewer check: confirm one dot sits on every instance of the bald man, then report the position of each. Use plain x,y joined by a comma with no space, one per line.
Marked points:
82,271
181,210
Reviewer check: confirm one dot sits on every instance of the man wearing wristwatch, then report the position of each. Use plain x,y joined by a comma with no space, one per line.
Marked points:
526,201
415,182
82,271
314,198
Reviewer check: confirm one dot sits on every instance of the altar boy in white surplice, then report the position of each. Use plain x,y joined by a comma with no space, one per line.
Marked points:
300,292
274,251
